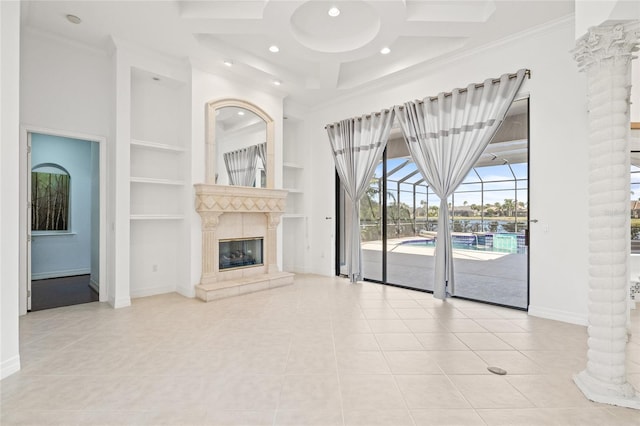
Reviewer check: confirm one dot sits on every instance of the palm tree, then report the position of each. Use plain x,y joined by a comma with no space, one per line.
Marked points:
521,206
508,206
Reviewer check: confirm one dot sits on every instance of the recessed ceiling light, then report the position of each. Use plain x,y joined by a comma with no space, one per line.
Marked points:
228,62
274,49
240,112
385,50
73,19
333,12
277,82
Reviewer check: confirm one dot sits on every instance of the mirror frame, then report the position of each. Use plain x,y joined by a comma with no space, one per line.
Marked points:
210,137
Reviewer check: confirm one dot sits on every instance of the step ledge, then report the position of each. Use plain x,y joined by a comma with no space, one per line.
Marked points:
230,288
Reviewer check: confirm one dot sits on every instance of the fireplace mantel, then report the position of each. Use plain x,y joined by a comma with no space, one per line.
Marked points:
223,199
237,212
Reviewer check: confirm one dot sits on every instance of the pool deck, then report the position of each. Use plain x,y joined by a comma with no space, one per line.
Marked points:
399,245
482,275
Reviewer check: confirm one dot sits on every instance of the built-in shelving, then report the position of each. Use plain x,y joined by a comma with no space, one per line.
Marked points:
156,181
293,176
155,145
156,217
288,165
159,171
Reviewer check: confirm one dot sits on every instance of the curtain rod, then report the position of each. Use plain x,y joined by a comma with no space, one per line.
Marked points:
373,114
527,73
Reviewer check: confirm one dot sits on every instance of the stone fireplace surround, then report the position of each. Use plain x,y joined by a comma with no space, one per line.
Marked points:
239,212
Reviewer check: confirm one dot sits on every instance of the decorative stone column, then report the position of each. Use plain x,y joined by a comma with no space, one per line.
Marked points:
273,220
210,255
605,55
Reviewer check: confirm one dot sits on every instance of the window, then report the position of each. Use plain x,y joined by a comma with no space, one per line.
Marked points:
50,186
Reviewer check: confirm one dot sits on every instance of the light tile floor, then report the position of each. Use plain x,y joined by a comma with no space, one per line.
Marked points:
319,352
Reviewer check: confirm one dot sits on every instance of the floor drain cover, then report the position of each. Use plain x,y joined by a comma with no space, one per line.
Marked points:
497,370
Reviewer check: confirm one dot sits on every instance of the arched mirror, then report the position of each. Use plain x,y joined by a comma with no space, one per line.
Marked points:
239,145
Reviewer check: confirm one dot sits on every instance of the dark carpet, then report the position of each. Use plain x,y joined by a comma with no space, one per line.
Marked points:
63,291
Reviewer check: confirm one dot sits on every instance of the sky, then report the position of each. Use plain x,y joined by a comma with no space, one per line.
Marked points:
469,190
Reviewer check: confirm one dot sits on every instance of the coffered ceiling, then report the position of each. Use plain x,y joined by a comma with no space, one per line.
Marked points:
319,56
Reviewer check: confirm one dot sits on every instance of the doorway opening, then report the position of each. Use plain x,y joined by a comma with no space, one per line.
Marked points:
64,220
489,220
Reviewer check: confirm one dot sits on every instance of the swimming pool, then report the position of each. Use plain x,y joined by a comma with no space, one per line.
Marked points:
501,243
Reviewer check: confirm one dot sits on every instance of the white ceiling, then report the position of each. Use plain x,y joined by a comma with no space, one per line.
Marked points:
320,57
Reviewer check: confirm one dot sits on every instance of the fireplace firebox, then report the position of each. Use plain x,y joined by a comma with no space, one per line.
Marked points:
240,253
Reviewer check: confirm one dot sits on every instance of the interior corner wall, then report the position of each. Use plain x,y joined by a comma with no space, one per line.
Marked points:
59,255
9,178
207,87
558,158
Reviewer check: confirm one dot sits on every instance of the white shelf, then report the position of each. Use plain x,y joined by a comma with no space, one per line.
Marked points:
156,181
290,165
156,217
293,216
156,145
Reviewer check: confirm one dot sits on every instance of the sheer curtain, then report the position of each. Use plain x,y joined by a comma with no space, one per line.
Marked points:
262,153
446,135
357,145
241,166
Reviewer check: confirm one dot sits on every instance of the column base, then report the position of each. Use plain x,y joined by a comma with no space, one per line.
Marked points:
598,391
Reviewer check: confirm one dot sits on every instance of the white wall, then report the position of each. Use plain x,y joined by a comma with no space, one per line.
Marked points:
63,85
65,88
9,177
595,12
95,215
558,159
54,254
205,88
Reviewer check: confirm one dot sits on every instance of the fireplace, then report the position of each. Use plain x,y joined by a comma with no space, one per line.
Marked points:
239,240
240,253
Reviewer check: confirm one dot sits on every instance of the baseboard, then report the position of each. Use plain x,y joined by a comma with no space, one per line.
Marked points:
95,285
58,274
152,291
557,315
10,366
186,291
321,271
120,303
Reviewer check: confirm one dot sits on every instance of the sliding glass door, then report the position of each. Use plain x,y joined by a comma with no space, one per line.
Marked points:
489,220
371,220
